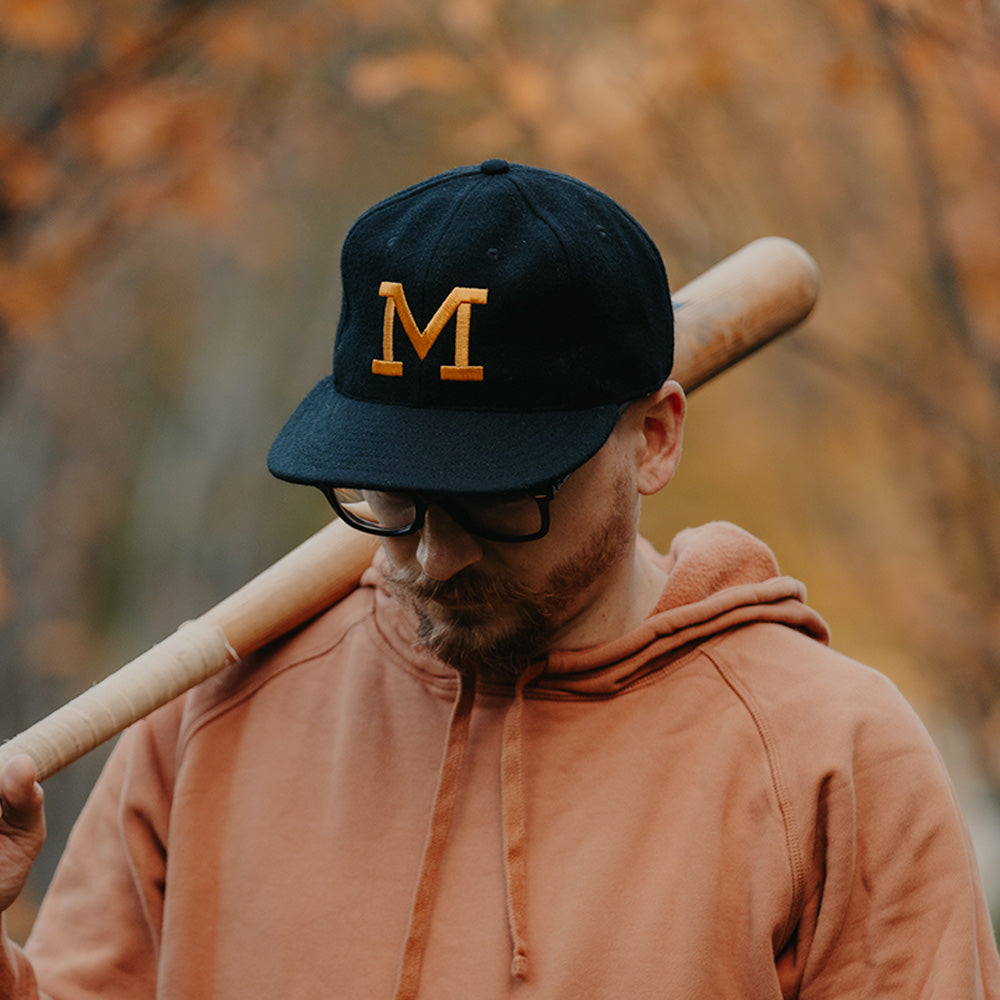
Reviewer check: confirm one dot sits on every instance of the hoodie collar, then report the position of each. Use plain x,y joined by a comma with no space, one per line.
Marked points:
718,577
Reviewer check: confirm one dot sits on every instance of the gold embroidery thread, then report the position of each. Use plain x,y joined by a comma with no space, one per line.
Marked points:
458,302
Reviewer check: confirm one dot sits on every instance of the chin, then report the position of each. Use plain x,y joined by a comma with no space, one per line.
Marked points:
497,652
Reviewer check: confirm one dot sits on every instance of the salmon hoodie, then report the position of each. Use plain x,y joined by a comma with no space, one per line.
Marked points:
712,805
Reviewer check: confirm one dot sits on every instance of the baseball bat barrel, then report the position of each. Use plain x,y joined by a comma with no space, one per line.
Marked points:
728,312
739,305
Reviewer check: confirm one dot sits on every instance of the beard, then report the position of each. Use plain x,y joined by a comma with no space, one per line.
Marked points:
501,625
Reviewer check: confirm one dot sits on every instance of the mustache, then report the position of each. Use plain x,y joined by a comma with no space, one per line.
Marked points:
466,586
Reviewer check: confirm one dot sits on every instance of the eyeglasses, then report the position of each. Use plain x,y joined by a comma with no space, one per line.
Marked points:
520,516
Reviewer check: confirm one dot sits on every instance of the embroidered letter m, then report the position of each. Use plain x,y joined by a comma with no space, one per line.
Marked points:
459,302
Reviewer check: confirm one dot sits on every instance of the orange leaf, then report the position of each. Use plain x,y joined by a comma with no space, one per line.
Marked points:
383,79
43,25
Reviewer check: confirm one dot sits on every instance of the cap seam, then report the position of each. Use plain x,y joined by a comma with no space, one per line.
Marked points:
567,257
588,189
444,227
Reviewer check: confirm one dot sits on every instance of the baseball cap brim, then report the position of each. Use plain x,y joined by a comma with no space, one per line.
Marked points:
332,439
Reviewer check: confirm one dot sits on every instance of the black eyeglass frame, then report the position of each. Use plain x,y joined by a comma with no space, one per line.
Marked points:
542,496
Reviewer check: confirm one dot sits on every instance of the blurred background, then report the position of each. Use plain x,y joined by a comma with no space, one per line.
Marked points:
176,178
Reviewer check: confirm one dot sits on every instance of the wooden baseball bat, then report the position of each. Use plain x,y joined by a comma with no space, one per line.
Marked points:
731,310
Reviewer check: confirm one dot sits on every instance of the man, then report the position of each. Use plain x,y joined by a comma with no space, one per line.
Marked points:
528,755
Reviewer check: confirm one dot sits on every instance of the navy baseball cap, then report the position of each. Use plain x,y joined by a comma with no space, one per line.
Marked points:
494,320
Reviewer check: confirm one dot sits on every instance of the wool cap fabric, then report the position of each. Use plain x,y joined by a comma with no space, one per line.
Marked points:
494,319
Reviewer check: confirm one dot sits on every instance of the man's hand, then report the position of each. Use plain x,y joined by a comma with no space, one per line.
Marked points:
22,826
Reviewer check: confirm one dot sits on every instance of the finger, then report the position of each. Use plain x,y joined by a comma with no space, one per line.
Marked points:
20,794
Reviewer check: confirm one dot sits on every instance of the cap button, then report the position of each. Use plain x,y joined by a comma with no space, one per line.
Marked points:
494,166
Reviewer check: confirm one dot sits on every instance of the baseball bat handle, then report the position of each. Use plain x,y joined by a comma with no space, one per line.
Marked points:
726,313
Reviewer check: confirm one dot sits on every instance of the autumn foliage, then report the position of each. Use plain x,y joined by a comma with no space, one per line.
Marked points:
175,179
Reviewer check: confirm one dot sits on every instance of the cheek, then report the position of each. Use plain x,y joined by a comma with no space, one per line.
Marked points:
607,501
602,530
401,551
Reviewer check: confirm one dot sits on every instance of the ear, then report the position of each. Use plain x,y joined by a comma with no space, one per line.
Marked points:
660,418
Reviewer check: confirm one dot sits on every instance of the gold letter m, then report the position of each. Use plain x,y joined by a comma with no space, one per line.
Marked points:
459,301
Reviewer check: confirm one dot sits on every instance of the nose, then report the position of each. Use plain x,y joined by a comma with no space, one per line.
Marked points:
445,547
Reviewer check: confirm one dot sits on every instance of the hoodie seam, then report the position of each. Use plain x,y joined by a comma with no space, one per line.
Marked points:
795,856
254,682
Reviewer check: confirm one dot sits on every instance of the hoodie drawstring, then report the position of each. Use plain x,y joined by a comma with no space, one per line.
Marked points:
437,839
515,823
514,833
